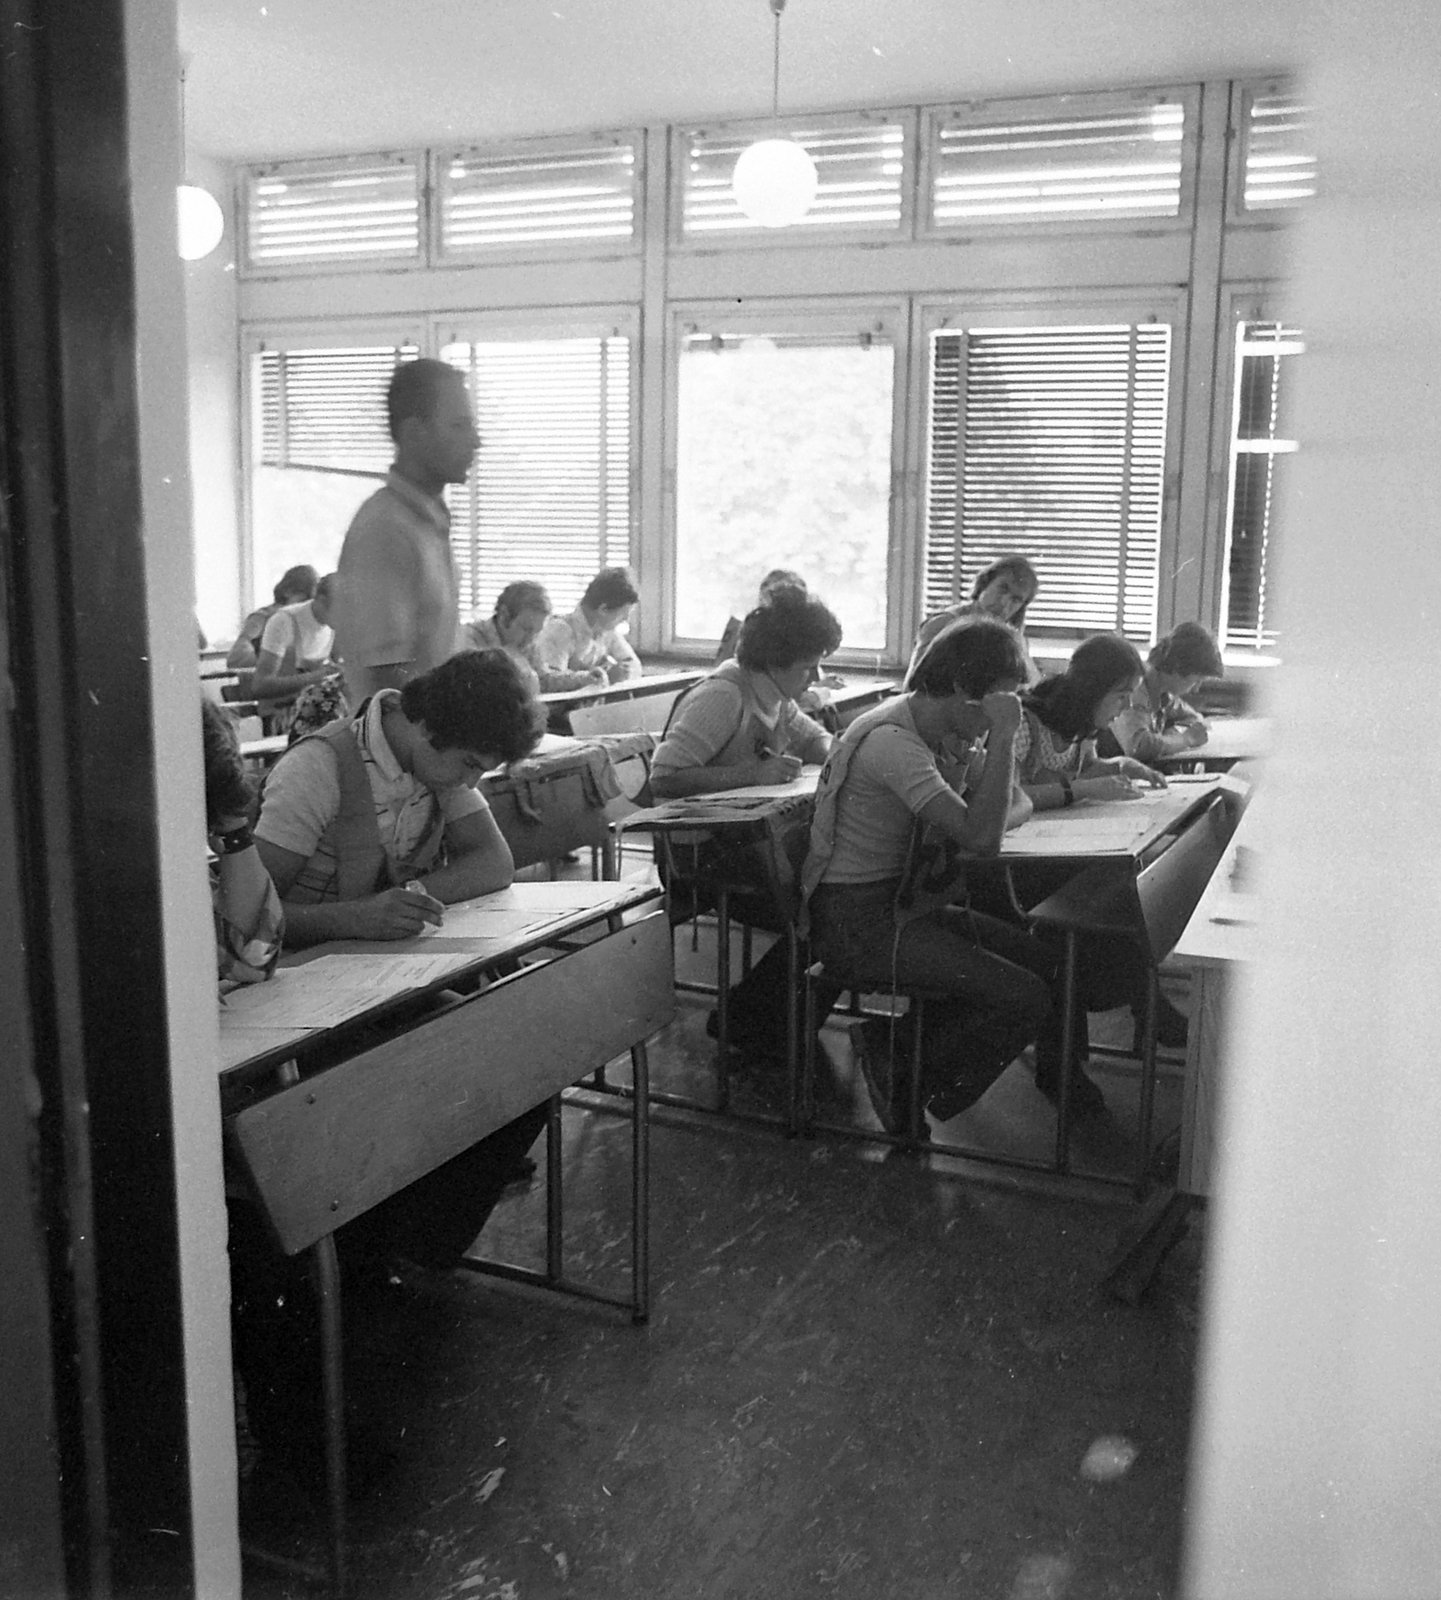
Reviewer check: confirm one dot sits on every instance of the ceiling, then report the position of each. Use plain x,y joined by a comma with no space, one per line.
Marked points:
272,78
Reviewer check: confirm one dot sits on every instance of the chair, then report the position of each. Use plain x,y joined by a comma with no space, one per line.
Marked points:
1151,906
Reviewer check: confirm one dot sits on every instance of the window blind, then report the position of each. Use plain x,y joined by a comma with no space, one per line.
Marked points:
324,410
1258,451
549,496
859,164
1078,159
1279,163
1050,443
330,212
502,199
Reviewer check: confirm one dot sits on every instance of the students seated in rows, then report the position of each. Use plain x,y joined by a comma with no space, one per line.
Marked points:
1160,723
1002,590
588,647
521,610
740,726
296,584
1057,767
295,649
371,826
932,766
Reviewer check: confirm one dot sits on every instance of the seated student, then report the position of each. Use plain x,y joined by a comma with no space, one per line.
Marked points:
1002,590
587,647
779,580
354,815
740,726
296,584
1057,766
295,649
246,909
906,771
1161,723
521,610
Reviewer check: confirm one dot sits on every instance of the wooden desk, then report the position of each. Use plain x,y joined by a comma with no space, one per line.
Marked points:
267,751
560,703
741,842
1229,740
860,694
319,1146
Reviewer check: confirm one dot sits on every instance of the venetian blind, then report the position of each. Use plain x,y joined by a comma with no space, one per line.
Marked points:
860,166
360,209
1078,159
1258,453
1279,159
549,496
1050,443
324,410
546,196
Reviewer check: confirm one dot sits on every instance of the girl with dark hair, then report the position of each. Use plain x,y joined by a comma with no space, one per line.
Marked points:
740,726
245,907
1002,590
1056,758
1162,723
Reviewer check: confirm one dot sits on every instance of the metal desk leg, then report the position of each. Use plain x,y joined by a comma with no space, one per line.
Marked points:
1148,1081
554,1194
1068,1045
325,1267
640,1185
722,999
793,1041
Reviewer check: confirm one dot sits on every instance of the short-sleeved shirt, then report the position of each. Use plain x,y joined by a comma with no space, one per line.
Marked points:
568,649
302,794
890,779
397,593
481,633
296,639
714,715
1042,756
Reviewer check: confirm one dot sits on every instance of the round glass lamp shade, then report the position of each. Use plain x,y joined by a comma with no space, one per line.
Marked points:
201,221
774,182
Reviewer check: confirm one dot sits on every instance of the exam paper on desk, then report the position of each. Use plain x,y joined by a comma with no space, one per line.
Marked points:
331,989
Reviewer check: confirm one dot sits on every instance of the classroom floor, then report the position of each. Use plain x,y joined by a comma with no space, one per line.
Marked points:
867,1374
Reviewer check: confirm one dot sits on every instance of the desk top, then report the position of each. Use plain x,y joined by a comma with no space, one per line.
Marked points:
1229,739
317,990
1111,829
728,809
1225,925
629,689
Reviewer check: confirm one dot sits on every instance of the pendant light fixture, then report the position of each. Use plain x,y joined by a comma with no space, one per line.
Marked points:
775,180
201,221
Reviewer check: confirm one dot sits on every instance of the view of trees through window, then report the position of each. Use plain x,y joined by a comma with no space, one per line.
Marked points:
783,460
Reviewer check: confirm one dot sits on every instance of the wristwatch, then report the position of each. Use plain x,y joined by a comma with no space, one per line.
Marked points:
232,843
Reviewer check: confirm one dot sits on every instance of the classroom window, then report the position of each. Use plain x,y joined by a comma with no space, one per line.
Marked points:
1260,450
550,494
1050,442
783,460
320,446
1278,155
349,211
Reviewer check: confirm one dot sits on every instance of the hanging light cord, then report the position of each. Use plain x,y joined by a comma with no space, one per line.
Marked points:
777,6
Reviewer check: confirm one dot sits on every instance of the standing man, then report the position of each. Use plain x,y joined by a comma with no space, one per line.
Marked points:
396,613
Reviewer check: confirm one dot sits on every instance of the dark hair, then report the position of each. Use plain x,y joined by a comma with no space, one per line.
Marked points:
781,580
1019,567
228,789
972,655
523,595
1187,651
789,627
475,701
609,589
1067,703
325,589
296,584
415,387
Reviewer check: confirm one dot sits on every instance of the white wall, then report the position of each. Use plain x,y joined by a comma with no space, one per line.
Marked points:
152,68
1317,1461
222,598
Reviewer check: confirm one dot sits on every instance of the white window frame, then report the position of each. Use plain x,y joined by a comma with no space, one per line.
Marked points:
757,237
256,339
560,322
557,250
1005,110
846,318
1065,309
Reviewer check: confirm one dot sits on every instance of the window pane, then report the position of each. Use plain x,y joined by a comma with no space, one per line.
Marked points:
300,516
783,460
